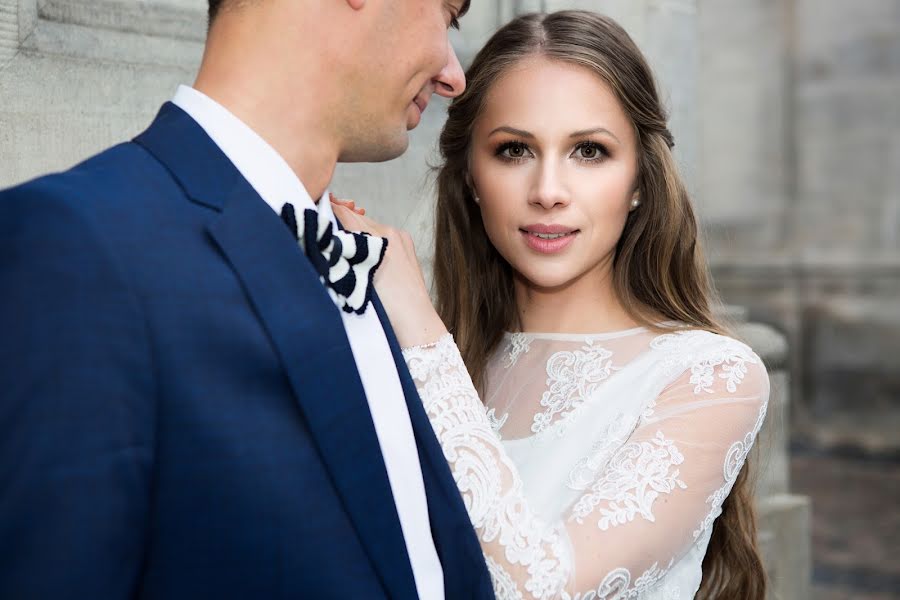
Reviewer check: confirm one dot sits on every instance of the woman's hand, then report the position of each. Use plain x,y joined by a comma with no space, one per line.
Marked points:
347,204
398,281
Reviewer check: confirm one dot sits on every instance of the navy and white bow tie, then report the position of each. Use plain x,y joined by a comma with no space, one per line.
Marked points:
345,261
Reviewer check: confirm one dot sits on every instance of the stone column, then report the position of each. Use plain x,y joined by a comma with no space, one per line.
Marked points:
784,518
744,135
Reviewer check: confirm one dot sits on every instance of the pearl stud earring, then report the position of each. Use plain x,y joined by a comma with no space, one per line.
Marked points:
635,203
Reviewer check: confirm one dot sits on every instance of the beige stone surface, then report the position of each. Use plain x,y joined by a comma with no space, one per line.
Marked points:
84,75
787,553
800,194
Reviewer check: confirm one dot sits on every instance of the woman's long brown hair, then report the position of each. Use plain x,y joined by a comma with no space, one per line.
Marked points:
659,267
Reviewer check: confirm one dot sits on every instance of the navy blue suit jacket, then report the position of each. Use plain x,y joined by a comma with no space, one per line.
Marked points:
180,412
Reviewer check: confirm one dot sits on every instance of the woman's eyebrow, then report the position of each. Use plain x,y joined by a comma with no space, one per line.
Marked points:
585,132
512,130
529,135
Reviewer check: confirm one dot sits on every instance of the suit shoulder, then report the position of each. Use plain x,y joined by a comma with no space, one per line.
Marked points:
112,191
121,166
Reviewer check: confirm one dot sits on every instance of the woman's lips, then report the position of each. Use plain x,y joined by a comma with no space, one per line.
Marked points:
548,239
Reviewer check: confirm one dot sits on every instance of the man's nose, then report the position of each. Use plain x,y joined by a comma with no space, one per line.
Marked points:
451,81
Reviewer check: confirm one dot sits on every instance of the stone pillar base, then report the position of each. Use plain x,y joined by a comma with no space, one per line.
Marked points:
784,535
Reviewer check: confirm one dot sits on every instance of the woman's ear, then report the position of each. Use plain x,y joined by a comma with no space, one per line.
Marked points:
471,186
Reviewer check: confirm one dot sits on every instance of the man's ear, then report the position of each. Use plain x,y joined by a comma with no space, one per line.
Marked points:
356,4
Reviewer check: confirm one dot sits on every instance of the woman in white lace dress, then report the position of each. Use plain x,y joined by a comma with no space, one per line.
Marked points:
599,427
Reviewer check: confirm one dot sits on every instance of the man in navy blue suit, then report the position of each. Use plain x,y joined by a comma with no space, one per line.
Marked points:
187,410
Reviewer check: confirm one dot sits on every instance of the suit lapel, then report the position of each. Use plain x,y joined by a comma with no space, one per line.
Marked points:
465,572
306,330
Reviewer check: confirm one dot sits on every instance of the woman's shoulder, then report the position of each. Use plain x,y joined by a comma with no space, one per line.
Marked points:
710,360
694,342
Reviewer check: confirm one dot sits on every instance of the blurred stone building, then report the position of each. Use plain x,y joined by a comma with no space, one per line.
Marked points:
799,182
786,115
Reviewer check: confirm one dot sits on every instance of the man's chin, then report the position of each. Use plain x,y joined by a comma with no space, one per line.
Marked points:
389,148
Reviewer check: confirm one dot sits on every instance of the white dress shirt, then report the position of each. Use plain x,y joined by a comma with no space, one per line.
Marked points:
277,184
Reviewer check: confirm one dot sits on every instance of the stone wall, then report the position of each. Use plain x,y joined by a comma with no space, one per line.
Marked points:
77,76
846,236
800,191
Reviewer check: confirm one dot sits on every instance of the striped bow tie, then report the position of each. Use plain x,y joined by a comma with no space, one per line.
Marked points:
345,261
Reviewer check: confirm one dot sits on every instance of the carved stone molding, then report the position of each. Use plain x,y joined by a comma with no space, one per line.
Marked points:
9,30
177,20
129,31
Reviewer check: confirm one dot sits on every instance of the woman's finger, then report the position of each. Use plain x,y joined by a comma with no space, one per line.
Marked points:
354,221
351,204
347,217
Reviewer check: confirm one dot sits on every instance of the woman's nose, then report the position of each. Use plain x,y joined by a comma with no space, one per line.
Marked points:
550,190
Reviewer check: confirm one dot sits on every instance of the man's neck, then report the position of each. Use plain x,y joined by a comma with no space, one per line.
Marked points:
294,123
311,157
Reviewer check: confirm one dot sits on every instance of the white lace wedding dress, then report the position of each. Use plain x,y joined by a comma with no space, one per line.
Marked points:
597,463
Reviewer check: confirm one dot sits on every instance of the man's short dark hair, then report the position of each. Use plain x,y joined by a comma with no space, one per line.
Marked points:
214,7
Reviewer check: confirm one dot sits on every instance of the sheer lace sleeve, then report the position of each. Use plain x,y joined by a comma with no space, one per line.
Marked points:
659,492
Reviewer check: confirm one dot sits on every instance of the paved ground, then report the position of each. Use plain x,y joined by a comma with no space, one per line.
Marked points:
856,522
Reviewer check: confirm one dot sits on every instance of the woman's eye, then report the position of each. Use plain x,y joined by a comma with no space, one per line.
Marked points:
589,151
514,150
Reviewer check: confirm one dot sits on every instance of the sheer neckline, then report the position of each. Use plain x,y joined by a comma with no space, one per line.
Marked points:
583,337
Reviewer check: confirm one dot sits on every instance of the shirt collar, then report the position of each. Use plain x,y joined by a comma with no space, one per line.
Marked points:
257,161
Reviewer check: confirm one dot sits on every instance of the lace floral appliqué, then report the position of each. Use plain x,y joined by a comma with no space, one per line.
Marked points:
617,585
496,422
479,465
518,345
572,377
609,439
693,349
734,460
633,480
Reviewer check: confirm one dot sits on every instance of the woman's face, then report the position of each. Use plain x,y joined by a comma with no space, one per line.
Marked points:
554,162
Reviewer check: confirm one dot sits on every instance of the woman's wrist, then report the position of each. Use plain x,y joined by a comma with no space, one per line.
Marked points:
418,325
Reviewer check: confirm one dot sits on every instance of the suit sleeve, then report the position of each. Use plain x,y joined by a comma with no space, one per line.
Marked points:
77,405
